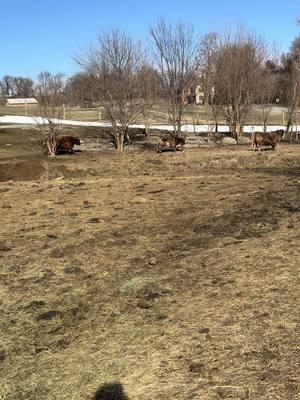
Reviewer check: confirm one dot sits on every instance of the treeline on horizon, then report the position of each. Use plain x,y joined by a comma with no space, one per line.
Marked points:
234,70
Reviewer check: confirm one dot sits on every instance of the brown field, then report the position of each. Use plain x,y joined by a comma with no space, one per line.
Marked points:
172,274
192,114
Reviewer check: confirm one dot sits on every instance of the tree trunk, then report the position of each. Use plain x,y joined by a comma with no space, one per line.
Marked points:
239,130
232,128
265,125
120,141
178,127
147,130
216,126
206,98
126,135
289,125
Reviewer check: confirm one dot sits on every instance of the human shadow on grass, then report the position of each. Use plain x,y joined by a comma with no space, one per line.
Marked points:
110,391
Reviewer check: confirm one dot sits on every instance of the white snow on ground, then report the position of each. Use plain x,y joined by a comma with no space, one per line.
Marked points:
17,119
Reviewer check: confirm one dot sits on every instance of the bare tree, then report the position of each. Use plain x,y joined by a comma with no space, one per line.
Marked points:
176,55
115,64
17,86
239,62
208,51
216,108
8,86
24,87
80,90
291,76
50,88
266,91
50,91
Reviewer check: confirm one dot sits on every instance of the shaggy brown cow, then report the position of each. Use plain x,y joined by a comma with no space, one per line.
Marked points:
170,143
261,139
65,144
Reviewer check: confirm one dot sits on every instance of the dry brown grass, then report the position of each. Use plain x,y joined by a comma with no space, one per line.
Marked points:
174,274
158,114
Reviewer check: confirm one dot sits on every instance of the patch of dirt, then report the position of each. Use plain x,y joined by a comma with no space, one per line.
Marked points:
29,170
173,278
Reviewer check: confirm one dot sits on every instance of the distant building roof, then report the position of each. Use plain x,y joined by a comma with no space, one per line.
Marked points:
29,100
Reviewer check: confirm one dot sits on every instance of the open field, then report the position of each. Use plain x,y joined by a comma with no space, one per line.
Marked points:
193,113
173,274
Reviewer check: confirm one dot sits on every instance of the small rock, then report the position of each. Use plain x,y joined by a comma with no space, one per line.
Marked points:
153,261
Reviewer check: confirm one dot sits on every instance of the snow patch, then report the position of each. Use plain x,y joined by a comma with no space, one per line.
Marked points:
23,120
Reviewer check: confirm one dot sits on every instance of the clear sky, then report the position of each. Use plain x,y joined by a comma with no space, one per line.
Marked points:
38,35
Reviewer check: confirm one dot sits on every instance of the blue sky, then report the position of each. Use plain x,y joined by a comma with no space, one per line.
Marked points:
38,35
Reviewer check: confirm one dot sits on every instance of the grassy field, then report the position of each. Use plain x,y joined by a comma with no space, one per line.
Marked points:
159,276
196,114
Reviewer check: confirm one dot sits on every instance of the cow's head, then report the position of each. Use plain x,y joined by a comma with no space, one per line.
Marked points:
181,140
77,141
280,134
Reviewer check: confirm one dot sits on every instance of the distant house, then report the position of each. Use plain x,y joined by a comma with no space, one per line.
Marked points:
195,95
21,102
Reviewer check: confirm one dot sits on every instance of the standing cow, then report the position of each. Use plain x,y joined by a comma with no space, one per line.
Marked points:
170,143
262,139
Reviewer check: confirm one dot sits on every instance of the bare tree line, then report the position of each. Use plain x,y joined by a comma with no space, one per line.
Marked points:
235,70
175,51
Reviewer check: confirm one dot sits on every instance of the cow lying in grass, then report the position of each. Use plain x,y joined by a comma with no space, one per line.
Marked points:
264,139
170,143
65,144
